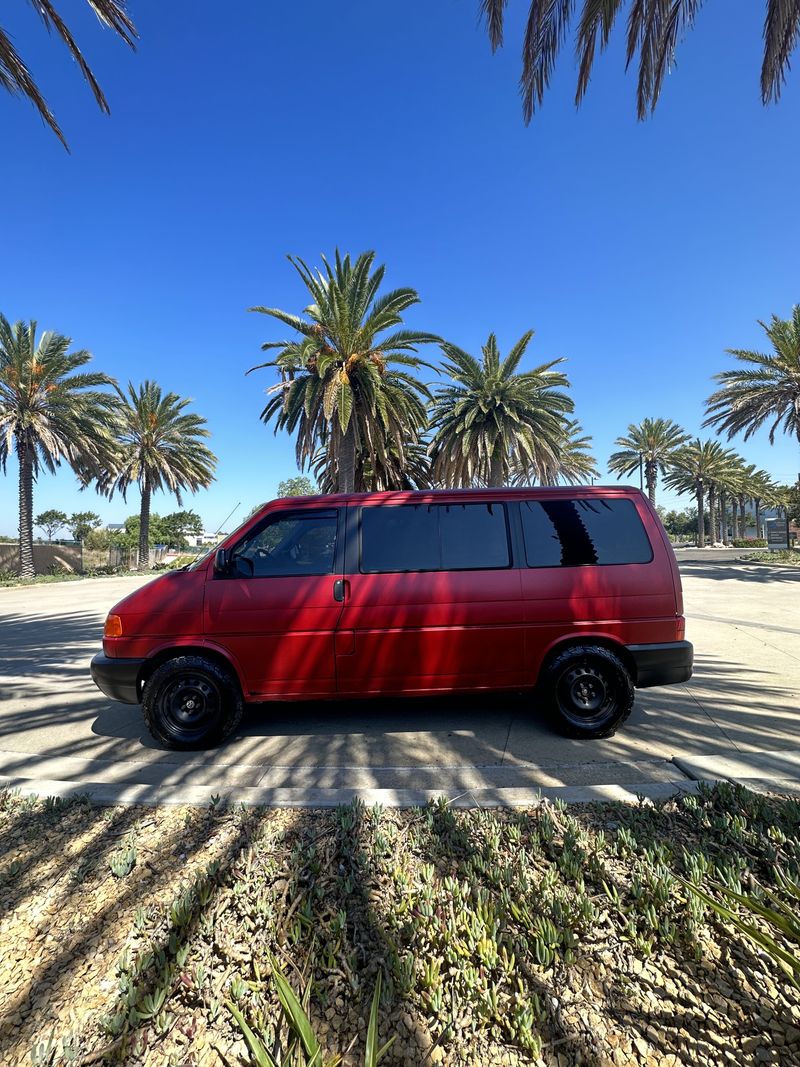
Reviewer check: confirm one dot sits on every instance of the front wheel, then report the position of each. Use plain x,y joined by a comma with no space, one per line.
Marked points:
588,690
191,702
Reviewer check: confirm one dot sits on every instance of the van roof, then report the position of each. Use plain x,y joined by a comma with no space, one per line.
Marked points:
506,493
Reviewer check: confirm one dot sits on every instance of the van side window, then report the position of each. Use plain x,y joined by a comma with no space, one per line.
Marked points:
579,533
288,545
434,537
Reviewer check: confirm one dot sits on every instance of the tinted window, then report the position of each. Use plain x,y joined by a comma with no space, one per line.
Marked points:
577,533
289,545
473,536
430,537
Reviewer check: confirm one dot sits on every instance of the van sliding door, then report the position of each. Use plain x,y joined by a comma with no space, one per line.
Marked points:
433,601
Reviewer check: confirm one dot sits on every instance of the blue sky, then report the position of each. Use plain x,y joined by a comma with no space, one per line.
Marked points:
638,252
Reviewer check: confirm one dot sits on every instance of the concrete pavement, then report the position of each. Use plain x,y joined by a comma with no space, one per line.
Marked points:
736,718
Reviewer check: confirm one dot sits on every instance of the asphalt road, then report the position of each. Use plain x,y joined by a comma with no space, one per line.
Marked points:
737,716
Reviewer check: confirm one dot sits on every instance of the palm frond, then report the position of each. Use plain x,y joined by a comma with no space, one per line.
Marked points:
654,29
16,78
493,11
781,36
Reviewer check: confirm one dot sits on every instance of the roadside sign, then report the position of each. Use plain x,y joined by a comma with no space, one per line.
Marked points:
777,534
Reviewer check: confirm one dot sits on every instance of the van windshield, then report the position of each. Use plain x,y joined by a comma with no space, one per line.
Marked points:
203,557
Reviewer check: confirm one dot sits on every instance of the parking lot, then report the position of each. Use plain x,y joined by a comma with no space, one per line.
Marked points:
736,718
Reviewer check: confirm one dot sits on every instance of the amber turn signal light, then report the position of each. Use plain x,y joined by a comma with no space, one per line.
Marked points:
113,627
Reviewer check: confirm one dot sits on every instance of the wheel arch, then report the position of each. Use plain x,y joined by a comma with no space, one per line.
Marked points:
590,640
210,652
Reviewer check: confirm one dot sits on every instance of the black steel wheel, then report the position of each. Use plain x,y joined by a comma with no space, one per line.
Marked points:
191,702
588,690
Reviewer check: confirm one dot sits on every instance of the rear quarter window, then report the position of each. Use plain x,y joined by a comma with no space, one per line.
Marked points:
583,532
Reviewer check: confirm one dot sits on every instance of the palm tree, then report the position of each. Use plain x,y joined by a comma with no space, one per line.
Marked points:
693,469
726,473
15,76
653,31
574,463
653,443
161,448
492,422
746,474
766,388
49,412
756,486
761,490
414,472
729,484
343,386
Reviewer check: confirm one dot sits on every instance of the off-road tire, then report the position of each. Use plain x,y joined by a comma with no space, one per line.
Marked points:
587,691
190,702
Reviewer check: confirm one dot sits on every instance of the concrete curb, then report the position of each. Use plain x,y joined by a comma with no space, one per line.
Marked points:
102,793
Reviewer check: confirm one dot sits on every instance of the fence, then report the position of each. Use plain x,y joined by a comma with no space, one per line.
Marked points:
73,558
47,559
128,558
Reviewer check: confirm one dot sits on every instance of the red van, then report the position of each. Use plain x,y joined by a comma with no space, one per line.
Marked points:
574,592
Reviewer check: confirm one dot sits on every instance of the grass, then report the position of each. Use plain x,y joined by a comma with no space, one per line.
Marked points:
784,555
546,936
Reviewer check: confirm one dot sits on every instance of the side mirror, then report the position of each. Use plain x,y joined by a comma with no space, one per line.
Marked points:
222,561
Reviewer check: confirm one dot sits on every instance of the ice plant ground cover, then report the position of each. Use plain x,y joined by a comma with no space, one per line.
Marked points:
547,935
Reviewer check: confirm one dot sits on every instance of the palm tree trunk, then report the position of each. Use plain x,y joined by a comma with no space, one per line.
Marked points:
723,517
712,513
701,519
735,516
650,476
741,515
144,526
347,461
497,466
757,502
26,567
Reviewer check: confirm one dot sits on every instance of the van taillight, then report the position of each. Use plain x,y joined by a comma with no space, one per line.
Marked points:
113,627
681,628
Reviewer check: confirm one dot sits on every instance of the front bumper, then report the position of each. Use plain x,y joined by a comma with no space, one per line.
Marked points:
117,678
662,664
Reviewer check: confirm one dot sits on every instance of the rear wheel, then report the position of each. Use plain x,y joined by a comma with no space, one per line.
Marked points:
191,702
588,690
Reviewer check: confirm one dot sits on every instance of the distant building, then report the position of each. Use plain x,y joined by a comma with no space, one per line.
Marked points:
206,538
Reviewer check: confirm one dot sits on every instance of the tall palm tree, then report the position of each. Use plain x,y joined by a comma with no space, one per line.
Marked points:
726,473
574,463
414,472
729,485
746,474
15,76
653,30
492,421
343,383
653,443
766,388
49,412
160,448
693,469
762,490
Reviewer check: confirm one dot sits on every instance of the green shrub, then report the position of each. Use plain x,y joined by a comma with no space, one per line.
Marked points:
749,542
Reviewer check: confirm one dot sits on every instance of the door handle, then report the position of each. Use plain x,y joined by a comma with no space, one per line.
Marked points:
339,589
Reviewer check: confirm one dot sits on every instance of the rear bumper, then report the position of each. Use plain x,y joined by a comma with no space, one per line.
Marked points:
662,664
117,678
